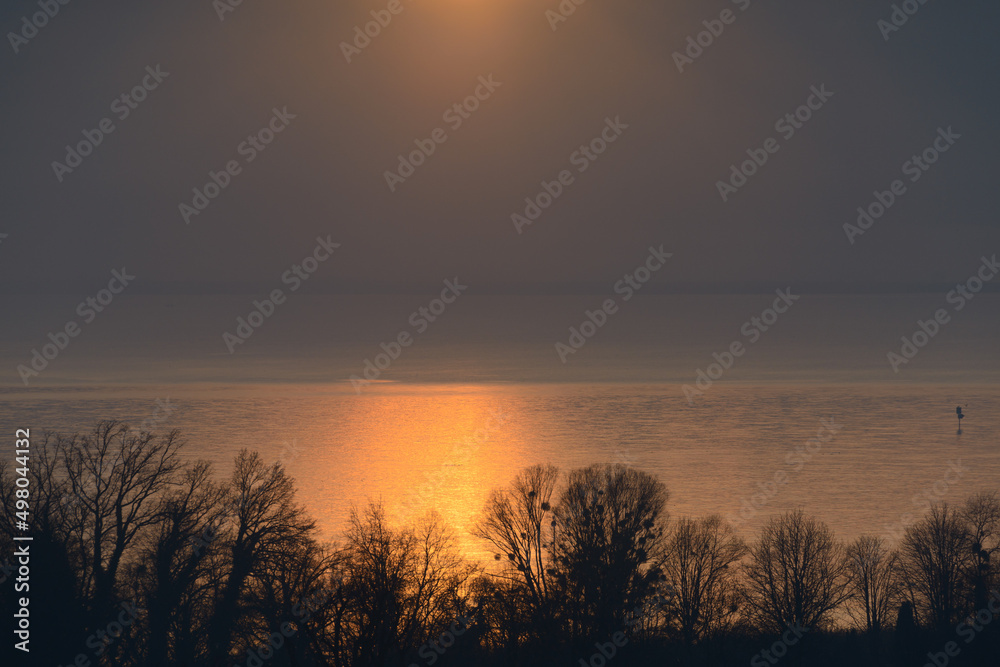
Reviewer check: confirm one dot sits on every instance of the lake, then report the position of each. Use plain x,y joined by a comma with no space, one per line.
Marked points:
888,449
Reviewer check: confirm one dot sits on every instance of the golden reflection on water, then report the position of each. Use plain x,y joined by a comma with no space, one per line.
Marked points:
426,448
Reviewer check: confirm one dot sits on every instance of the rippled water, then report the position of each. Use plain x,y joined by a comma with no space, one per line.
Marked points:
414,446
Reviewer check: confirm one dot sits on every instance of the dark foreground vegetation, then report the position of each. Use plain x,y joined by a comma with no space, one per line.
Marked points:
139,558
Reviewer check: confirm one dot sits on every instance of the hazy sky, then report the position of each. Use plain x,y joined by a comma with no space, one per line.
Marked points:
323,175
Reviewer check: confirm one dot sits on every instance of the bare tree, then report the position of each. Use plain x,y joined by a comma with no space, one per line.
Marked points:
266,520
610,545
49,491
873,583
795,574
500,612
936,556
174,565
57,605
515,521
294,588
115,476
981,513
701,568
401,585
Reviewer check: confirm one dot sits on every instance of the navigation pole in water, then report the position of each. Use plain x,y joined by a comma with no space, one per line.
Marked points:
958,411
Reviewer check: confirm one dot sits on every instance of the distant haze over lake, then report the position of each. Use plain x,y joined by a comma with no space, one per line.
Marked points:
658,338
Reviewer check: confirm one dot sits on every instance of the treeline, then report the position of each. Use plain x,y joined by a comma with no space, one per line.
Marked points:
140,558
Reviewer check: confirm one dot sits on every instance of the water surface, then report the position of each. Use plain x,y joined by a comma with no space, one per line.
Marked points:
415,446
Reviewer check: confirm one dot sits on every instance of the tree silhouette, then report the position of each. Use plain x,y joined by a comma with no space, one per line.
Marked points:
56,603
874,586
115,476
226,569
175,566
292,597
702,558
402,585
501,611
981,514
265,520
610,546
795,574
516,522
936,557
